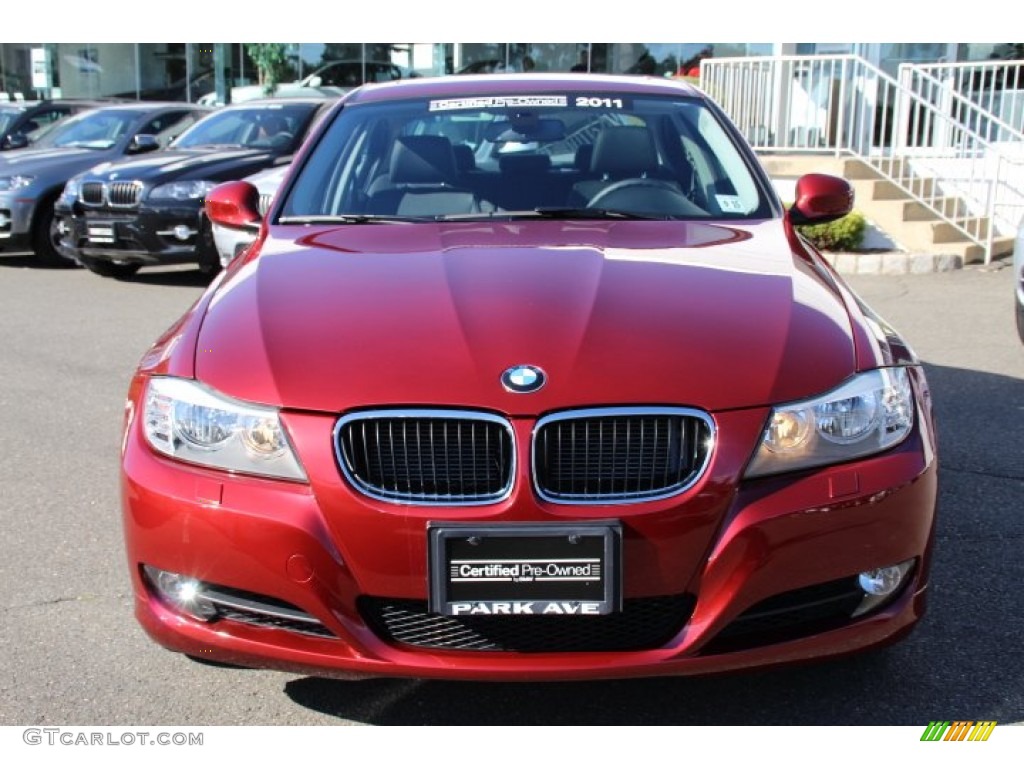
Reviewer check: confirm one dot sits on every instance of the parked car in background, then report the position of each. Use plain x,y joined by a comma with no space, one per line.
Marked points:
31,180
231,241
487,67
23,122
353,73
1018,279
183,89
332,79
148,211
588,408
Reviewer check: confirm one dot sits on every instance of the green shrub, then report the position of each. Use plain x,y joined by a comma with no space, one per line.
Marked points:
845,234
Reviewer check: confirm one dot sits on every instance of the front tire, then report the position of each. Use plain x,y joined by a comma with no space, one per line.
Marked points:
109,268
45,236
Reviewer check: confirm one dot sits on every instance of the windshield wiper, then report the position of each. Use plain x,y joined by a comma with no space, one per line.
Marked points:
351,218
556,212
214,144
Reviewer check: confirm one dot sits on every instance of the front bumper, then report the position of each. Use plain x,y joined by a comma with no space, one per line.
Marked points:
16,222
726,552
146,235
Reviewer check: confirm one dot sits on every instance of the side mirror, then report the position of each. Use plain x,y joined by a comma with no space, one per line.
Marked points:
235,204
16,141
315,81
143,142
821,198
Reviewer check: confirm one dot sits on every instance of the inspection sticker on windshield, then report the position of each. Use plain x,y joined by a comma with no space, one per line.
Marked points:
730,204
485,102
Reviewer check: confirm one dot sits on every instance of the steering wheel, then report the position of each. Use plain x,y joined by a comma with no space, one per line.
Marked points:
642,196
281,140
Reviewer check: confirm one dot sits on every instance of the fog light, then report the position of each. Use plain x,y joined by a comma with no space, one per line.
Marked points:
880,581
181,592
182,232
880,584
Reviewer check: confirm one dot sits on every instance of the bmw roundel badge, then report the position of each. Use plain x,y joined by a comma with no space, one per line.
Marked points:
523,379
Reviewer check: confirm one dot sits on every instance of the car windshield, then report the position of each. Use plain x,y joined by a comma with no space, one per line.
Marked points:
90,130
350,74
7,118
269,126
592,155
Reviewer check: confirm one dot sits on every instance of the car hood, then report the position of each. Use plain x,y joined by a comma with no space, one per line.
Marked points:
685,313
70,160
170,164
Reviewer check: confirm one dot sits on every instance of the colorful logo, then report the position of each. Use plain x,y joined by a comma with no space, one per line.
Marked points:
958,730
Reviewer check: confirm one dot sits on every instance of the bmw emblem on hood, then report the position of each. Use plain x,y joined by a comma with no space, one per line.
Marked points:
523,379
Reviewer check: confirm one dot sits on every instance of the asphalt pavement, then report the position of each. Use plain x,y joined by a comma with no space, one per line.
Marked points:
71,652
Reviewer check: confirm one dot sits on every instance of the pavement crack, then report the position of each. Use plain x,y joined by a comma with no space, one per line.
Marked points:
65,599
982,473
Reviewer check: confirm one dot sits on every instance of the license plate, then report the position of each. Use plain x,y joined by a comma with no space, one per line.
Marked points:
523,570
101,233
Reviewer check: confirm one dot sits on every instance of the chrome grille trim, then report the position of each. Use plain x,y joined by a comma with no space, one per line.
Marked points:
124,194
264,204
696,441
397,453
92,193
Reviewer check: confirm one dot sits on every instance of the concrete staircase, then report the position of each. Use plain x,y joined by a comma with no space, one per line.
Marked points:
910,224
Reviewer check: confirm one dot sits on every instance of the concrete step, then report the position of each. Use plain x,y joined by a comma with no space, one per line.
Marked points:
944,232
913,225
1001,246
794,166
948,206
883,189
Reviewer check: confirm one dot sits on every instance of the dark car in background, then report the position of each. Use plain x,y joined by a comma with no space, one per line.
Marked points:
24,122
149,211
31,180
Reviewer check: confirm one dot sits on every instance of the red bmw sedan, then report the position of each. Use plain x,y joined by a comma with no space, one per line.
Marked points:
528,377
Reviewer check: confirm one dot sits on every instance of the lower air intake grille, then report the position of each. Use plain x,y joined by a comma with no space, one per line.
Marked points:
427,457
261,610
614,454
790,615
644,623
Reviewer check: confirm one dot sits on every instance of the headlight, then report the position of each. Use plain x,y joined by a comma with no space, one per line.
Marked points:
10,183
187,421
72,188
182,190
868,414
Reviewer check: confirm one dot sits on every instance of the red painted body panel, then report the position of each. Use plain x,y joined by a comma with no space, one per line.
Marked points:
622,312
321,320
731,547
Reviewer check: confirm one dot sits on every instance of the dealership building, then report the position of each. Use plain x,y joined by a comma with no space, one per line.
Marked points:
187,71
931,134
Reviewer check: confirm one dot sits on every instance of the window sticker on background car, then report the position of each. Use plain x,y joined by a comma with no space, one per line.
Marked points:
730,204
485,102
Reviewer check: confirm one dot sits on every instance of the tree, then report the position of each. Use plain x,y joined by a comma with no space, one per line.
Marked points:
271,59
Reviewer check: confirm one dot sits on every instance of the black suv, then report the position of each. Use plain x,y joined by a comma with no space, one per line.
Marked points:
148,211
22,122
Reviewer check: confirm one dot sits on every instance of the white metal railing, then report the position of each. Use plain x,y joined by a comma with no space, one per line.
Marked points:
989,95
845,106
